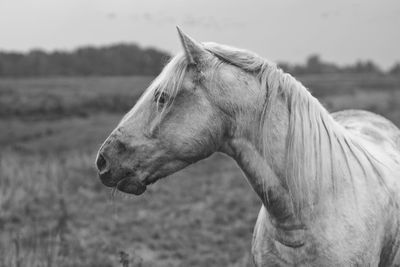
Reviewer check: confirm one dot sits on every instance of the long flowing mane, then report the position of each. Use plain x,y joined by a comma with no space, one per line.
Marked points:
320,153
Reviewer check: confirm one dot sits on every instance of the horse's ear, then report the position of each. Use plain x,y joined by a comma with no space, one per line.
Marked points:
193,49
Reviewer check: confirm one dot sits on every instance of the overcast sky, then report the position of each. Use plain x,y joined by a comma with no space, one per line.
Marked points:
340,31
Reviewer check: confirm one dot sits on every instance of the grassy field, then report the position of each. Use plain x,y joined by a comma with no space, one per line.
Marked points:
55,212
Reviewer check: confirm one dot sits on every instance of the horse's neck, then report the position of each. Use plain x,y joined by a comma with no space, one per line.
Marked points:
267,170
264,181
262,170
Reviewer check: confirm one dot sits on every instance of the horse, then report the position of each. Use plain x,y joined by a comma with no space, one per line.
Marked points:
329,183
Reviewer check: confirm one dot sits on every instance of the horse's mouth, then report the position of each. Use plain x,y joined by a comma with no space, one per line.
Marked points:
132,185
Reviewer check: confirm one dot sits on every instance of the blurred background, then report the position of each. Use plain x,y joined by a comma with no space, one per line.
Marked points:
70,69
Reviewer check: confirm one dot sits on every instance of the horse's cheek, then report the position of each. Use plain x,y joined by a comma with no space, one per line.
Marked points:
190,147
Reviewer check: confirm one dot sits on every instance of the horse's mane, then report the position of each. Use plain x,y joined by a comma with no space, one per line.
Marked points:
319,150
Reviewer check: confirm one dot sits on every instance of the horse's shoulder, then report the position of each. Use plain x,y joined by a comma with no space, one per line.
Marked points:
371,125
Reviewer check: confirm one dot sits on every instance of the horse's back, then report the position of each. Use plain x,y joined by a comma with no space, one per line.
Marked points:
385,139
373,127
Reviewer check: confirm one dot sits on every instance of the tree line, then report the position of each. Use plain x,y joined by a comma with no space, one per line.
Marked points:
314,65
130,59
120,59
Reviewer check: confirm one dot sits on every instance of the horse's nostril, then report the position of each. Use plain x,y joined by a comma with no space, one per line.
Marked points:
101,163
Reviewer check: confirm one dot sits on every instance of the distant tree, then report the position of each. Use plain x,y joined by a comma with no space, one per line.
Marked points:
314,64
363,67
395,70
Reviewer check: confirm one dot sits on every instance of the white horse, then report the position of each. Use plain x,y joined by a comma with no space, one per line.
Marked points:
329,183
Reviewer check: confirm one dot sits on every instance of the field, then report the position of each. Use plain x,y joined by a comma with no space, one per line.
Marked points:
55,212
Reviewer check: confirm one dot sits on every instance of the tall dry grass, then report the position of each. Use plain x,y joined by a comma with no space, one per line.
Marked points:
54,212
34,215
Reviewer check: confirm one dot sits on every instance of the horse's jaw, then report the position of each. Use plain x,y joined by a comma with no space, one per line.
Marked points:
131,185
254,166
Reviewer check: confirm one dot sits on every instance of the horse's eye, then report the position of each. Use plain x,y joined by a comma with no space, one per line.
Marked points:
160,98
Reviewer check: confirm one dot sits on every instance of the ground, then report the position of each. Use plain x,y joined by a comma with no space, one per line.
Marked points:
55,212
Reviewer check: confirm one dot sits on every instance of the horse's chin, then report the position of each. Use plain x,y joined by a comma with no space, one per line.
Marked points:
131,185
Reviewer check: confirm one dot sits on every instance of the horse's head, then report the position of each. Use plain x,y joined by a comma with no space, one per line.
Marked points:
187,113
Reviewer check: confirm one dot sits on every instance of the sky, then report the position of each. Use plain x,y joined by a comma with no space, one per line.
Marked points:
340,31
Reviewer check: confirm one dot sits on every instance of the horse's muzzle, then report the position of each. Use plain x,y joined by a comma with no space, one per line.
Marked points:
128,184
